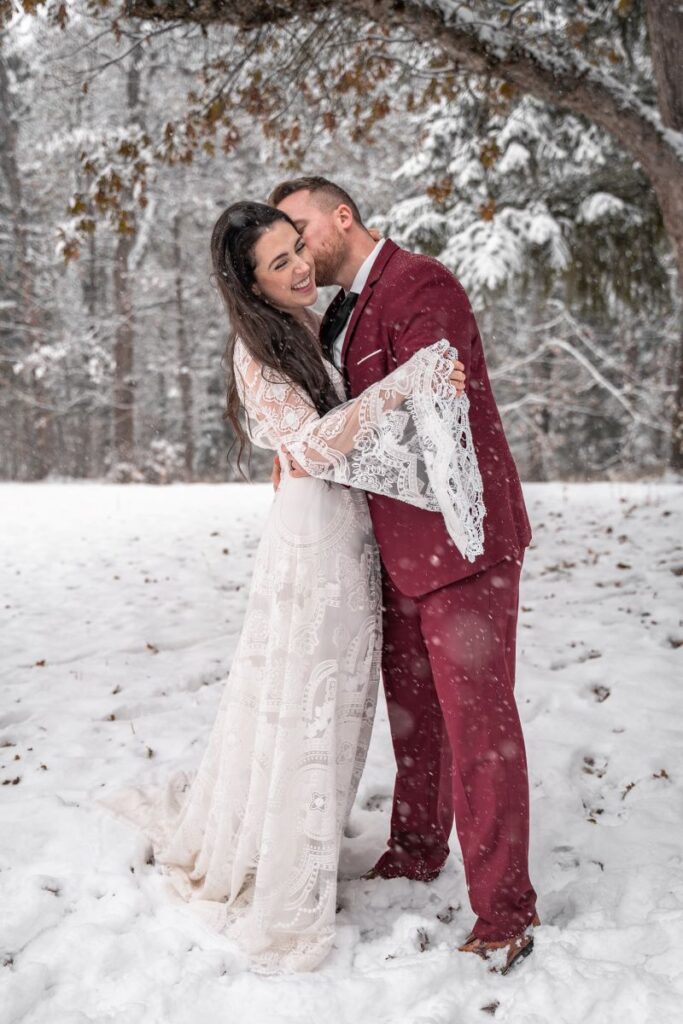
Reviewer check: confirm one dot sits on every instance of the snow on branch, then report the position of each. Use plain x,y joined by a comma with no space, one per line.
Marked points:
479,39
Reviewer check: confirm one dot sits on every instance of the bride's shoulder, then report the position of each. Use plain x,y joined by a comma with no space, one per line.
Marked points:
240,352
244,366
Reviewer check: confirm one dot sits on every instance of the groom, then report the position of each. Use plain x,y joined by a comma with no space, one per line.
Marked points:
448,660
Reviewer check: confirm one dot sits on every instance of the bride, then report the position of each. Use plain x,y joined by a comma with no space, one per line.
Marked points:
251,839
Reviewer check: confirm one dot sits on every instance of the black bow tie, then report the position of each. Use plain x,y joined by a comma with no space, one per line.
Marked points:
333,327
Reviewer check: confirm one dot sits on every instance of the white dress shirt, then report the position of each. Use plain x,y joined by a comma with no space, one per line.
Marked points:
358,285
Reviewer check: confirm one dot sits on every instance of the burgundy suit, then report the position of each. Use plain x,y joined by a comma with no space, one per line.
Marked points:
449,625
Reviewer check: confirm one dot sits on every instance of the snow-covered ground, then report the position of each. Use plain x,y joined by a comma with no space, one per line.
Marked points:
120,611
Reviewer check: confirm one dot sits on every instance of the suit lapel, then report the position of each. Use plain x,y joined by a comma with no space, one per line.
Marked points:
385,254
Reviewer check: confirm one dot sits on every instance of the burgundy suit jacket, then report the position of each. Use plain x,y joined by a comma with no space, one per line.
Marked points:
408,302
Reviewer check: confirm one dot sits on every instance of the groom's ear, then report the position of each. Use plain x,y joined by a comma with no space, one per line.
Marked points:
345,215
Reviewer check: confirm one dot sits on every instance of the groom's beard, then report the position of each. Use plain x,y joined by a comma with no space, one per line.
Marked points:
328,260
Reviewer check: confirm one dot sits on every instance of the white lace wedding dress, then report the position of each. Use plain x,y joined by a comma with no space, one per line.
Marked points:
251,839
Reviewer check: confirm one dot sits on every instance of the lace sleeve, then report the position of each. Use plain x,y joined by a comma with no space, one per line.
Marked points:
407,437
275,409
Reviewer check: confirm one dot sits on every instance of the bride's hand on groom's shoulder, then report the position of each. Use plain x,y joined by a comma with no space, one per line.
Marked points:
375,233
457,376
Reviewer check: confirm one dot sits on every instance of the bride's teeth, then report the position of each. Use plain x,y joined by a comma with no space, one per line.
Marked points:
302,284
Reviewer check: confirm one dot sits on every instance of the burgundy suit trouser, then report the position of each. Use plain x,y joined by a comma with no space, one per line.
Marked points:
449,673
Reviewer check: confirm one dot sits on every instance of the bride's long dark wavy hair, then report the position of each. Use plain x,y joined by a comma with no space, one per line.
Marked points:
276,339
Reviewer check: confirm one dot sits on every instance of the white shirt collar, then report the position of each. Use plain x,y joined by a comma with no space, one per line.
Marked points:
363,274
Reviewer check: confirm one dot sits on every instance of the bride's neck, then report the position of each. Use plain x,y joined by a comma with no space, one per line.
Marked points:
308,319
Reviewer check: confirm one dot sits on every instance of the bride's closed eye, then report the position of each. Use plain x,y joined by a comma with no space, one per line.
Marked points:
298,249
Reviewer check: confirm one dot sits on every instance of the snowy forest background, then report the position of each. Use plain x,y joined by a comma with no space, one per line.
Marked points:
123,138
536,147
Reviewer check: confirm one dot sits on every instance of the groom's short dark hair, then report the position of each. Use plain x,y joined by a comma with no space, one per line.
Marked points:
331,194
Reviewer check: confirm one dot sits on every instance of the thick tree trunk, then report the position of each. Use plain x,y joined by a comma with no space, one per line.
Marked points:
665,28
184,368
